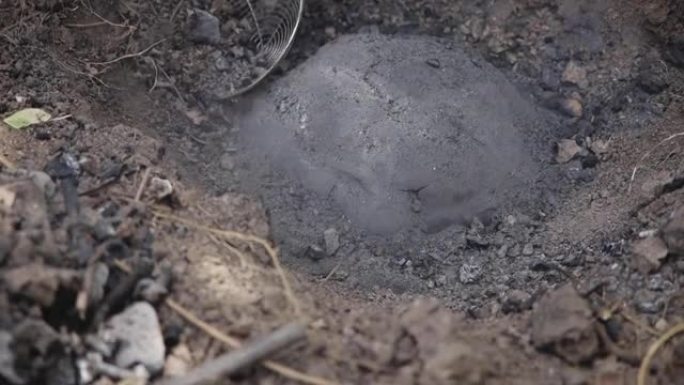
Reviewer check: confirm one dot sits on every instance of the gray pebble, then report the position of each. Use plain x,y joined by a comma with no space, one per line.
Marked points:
138,330
332,240
204,28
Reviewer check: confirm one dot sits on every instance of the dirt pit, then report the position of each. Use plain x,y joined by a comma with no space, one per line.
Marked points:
116,209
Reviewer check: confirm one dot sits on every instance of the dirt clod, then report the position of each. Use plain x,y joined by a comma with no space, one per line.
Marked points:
649,253
563,323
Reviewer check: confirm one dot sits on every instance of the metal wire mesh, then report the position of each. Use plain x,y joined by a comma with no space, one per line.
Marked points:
271,26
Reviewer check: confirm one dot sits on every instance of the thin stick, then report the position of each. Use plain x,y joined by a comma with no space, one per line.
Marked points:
172,84
176,9
86,25
156,74
230,363
649,152
246,238
143,183
128,56
234,343
6,163
102,18
653,349
332,272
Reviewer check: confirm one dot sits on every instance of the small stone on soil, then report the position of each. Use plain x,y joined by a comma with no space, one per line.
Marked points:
204,28
648,254
138,329
160,188
332,240
528,249
566,150
571,107
315,253
516,301
574,74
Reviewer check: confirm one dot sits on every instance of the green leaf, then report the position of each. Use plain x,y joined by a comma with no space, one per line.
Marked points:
27,117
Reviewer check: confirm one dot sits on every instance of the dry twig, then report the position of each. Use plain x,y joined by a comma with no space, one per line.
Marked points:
143,183
128,56
234,343
231,363
653,349
649,152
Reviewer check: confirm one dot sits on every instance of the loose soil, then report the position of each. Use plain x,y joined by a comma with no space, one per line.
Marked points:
569,288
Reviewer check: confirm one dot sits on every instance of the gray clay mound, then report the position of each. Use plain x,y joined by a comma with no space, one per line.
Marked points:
398,133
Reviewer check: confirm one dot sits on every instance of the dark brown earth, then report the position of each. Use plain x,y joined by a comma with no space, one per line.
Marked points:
572,295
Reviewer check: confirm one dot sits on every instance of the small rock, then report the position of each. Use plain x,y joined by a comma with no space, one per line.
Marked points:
516,301
469,273
314,253
528,249
7,373
571,107
138,330
648,302
179,362
574,74
648,254
475,240
220,61
514,251
654,186
566,150
204,28
563,322
657,283
661,325
599,147
160,188
332,240
673,232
